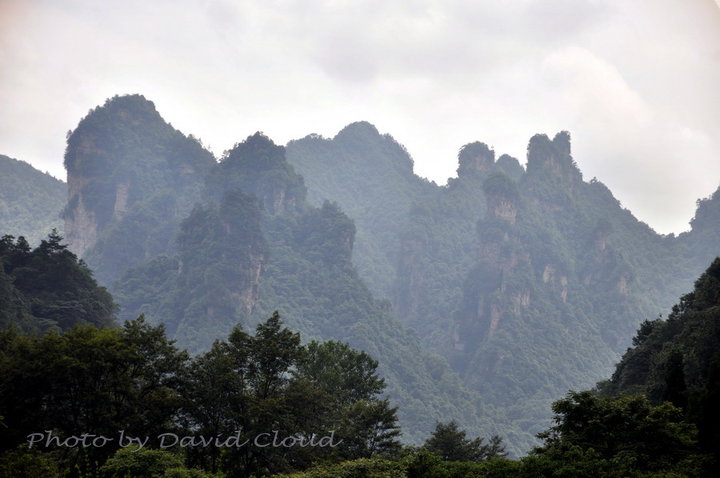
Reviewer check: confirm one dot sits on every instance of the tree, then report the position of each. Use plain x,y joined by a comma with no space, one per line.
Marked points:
622,436
131,461
89,380
369,429
343,374
347,381
267,383
451,444
50,286
674,388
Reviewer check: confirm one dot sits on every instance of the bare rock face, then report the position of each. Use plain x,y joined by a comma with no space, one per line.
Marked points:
504,209
256,268
81,228
121,200
81,221
502,197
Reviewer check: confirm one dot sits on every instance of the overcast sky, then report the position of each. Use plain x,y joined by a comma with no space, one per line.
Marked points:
636,82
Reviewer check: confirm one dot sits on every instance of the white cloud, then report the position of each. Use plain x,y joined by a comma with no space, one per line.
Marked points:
634,82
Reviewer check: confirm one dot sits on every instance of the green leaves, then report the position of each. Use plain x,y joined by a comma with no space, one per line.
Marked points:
89,380
343,374
619,435
101,381
48,286
451,444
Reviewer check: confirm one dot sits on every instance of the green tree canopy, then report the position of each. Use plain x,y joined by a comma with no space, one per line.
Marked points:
49,287
450,443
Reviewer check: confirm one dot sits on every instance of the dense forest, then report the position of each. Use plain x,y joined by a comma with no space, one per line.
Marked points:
528,280
238,243
88,400
48,288
482,301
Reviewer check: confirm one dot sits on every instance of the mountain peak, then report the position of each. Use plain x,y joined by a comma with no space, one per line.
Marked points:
553,157
708,212
135,100
121,154
258,166
362,129
258,151
475,156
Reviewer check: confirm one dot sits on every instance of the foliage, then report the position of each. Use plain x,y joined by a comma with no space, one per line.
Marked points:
701,241
286,405
510,166
524,304
88,380
199,293
149,463
522,309
309,275
24,463
677,359
427,465
131,461
499,185
358,163
360,468
49,287
541,292
258,167
451,444
239,260
624,436
270,384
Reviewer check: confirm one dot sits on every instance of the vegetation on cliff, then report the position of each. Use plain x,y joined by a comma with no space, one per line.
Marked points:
251,246
527,281
131,178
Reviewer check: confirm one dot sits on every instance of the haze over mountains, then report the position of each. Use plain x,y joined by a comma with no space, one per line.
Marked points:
483,300
30,201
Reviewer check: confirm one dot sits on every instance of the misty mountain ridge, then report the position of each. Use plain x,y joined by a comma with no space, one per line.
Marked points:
484,299
30,201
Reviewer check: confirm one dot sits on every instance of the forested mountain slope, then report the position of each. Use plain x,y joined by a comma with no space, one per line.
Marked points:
371,177
131,178
249,245
677,359
528,281
30,201
48,288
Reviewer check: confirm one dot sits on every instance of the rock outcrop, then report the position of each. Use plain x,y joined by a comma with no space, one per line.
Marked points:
120,157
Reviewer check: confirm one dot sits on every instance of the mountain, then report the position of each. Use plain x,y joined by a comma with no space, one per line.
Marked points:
677,359
371,178
233,242
483,300
530,281
30,201
131,178
700,243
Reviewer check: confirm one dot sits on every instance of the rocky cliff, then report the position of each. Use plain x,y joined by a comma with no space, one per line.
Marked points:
121,157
